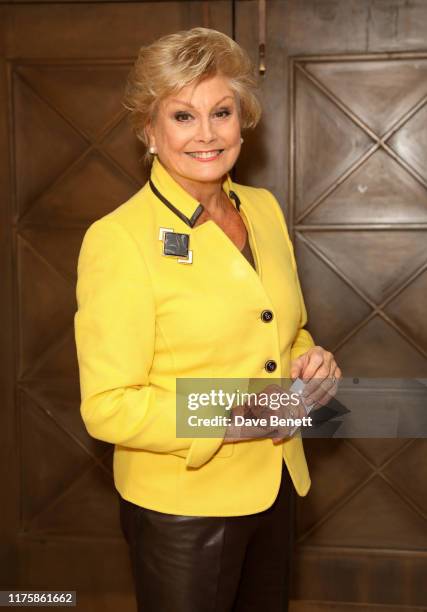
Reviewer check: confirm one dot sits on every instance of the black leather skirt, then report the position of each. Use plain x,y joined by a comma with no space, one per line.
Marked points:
211,564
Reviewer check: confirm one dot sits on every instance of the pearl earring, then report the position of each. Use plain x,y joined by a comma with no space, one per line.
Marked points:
152,150
241,140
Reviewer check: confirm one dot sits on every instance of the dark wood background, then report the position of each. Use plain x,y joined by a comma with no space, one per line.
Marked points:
342,144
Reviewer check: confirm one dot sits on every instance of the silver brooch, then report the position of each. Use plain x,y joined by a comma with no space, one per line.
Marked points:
176,245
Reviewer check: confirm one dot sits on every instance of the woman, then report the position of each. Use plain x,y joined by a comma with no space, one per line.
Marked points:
194,277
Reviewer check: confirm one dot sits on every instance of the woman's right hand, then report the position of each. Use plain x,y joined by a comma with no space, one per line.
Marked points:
238,433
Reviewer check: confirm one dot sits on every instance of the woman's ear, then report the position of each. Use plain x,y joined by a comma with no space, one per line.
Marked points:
148,133
150,140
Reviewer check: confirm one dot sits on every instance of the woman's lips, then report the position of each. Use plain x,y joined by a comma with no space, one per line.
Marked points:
204,158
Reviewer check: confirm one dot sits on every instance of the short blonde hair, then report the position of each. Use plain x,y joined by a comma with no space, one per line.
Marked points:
187,56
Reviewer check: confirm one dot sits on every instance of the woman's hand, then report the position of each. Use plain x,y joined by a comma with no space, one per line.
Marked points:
237,433
319,370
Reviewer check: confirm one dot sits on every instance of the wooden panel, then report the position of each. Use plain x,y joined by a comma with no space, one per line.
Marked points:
336,462
374,515
37,30
328,143
359,206
103,580
360,576
313,27
360,198
363,353
328,300
376,263
409,473
9,449
408,309
74,158
391,88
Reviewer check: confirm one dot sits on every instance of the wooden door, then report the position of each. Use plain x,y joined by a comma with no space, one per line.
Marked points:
343,147
69,157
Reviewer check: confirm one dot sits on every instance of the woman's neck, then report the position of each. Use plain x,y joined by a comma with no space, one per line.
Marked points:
210,194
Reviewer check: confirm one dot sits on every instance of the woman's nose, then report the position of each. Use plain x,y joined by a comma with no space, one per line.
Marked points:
206,130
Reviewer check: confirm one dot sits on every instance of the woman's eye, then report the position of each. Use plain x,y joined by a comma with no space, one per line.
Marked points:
182,116
223,113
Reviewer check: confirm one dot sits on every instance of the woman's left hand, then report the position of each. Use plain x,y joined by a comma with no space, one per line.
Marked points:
319,370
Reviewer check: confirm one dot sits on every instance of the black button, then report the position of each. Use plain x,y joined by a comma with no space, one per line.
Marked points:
267,316
270,365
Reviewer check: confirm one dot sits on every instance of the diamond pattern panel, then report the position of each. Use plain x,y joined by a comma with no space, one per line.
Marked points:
376,516
47,304
60,399
126,150
90,189
50,458
379,191
89,508
59,360
366,492
74,164
377,262
409,472
45,144
334,467
378,350
327,299
327,143
89,96
378,450
410,142
379,92
408,309
60,248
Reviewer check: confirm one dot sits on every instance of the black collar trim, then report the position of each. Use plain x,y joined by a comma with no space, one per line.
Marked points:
196,213
235,197
174,209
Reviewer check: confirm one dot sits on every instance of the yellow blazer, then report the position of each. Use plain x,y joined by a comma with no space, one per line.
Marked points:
144,319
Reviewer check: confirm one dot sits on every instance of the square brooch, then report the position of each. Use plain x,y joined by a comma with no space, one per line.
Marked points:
175,244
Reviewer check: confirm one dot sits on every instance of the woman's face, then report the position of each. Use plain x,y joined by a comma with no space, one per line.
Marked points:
197,131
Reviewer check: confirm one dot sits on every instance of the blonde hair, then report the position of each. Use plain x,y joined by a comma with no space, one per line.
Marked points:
187,56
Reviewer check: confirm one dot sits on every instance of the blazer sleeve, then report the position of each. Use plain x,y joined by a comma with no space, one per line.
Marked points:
115,333
303,340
